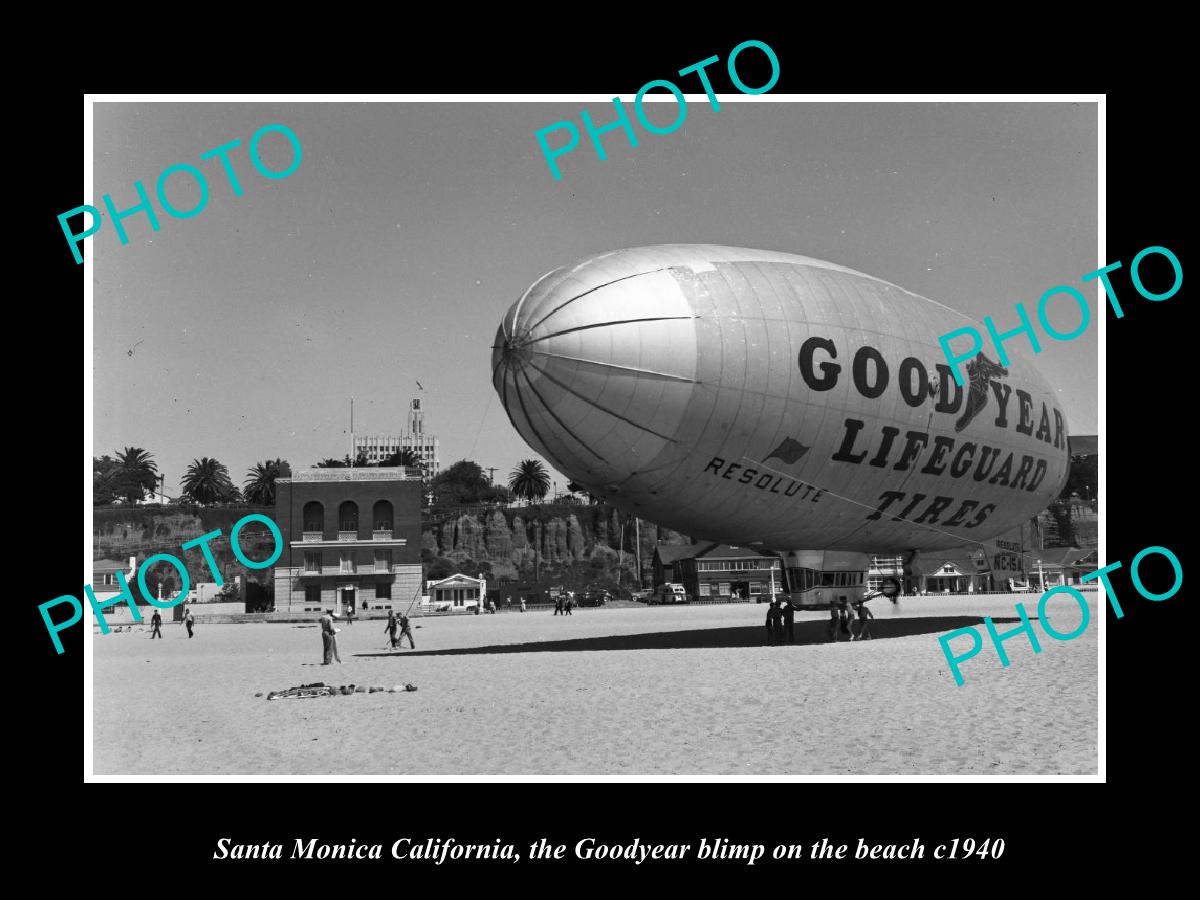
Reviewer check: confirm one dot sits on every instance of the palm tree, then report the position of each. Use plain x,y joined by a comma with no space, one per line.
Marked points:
207,481
529,480
259,486
135,474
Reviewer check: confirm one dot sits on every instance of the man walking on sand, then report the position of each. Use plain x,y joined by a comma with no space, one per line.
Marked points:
189,621
329,638
788,623
404,630
391,627
156,623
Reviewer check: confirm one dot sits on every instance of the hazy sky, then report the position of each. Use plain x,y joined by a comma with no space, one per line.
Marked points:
391,254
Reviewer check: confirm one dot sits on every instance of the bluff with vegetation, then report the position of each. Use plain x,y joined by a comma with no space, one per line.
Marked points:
568,542
120,532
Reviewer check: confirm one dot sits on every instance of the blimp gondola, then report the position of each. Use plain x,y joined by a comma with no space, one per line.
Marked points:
766,399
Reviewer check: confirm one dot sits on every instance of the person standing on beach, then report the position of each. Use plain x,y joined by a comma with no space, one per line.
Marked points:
844,617
557,604
570,604
772,613
329,638
788,622
835,621
522,604
189,621
404,630
391,627
156,623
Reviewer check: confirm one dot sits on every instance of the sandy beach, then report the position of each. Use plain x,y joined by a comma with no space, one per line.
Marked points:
660,690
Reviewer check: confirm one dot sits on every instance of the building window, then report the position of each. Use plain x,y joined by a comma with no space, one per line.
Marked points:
312,594
757,587
723,588
348,516
110,577
383,560
312,561
314,516
382,515
383,591
347,561
705,589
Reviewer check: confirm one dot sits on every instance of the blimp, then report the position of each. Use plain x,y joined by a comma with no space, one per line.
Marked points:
765,399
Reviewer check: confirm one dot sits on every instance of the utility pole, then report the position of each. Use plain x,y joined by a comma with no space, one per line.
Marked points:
352,432
537,554
637,548
620,554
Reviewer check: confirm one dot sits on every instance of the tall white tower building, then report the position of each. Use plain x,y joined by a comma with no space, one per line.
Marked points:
378,447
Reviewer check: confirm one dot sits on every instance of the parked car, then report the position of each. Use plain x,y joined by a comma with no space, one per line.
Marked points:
594,597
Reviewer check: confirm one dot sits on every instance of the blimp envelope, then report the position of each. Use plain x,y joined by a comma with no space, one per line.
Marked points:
752,396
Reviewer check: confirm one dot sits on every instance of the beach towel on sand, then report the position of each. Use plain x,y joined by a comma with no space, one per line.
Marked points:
318,689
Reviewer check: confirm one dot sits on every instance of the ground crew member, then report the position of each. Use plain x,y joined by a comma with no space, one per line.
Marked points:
864,625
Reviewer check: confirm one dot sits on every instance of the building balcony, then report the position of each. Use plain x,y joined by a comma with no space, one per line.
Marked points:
334,571
310,536
346,540
381,534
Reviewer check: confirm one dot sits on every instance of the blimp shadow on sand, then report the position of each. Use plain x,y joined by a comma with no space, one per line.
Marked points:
761,398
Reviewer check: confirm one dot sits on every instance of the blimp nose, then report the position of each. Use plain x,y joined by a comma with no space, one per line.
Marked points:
595,366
